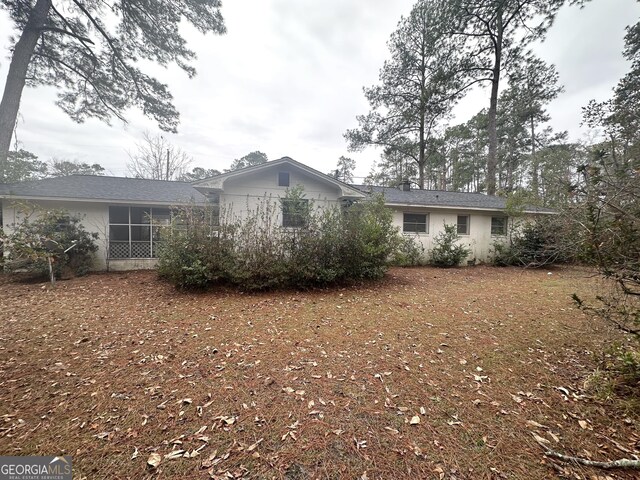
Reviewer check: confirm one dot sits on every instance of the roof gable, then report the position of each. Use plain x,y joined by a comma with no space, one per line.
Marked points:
218,182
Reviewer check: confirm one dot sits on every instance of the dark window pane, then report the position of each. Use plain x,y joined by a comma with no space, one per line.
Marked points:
283,179
140,215
414,228
118,214
414,223
463,225
498,225
140,234
119,233
414,218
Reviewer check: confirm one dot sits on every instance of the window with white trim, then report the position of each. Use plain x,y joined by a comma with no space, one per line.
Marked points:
498,225
135,232
463,224
415,223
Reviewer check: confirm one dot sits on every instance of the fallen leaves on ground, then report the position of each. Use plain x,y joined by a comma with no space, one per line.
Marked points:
456,374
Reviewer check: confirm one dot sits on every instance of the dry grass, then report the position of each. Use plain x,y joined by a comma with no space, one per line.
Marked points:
321,384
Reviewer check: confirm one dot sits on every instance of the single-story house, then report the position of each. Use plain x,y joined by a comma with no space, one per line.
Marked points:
128,213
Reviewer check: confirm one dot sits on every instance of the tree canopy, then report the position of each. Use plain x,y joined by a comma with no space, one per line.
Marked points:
23,165
92,52
249,160
440,51
61,168
418,86
199,173
344,169
496,32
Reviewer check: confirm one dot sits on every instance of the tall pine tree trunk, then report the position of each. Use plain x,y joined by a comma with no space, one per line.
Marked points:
422,137
18,72
510,173
492,159
421,165
535,182
421,155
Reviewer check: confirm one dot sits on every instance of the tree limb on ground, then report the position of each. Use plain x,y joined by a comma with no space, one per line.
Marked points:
622,463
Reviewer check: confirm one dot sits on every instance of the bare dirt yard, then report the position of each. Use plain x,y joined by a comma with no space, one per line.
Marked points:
444,374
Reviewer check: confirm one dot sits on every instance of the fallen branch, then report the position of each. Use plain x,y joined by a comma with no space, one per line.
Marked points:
622,463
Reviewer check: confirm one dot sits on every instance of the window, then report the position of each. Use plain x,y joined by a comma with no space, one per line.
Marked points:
214,208
498,225
134,232
463,224
294,212
415,223
283,179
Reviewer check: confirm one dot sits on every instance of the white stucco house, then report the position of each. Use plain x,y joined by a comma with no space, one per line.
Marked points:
129,213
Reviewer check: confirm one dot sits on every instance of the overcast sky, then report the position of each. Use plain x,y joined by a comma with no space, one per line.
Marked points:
287,79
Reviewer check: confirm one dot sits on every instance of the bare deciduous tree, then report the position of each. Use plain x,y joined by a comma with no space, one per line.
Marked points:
157,159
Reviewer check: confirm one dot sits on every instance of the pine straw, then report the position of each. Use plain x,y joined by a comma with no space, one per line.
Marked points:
103,366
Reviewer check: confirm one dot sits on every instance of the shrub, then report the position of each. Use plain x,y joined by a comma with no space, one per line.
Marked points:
192,254
447,252
47,233
409,252
535,244
254,253
368,239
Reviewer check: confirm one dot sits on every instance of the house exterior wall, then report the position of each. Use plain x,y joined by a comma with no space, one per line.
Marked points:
244,194
241,196
95,219
479,239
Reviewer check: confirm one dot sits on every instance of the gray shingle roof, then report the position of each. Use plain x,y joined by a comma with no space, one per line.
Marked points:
440,198
91,187
138,190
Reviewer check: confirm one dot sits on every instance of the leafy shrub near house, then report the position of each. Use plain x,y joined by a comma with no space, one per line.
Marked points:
189,253
534,244
44,233
446,251
255,252
409,252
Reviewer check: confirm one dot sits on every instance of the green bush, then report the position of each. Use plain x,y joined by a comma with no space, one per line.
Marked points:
254,253
30,243
409,252
446,251
192,254
535,244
